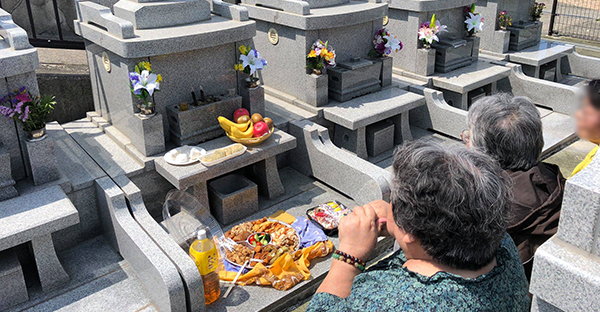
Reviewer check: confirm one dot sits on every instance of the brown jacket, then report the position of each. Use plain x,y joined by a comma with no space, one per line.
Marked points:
538,194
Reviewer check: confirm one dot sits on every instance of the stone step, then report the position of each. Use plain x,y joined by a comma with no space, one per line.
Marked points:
283,112
108,154
120,139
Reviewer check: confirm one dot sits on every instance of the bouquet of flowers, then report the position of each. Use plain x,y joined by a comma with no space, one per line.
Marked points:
536,10
384,43
144,83
251,63
320,56
504,20
473,21
429,30
31,111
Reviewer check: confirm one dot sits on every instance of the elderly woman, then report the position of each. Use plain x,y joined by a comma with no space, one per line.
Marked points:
588,121
448,213
509,129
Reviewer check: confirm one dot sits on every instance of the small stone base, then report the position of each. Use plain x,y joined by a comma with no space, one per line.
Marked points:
232,197
425,62
351,140
13,290
317,87
253,100
386,70
42,160
380,138
150,140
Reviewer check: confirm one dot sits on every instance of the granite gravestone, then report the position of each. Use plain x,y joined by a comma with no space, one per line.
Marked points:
566,269
179,39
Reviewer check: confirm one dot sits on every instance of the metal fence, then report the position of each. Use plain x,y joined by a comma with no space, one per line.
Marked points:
49,23
576,18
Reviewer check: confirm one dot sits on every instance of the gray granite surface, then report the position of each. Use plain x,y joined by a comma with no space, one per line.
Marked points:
42,159
232,197
183,177
14,290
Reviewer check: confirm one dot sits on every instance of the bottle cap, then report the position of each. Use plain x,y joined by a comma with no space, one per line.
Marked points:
201,234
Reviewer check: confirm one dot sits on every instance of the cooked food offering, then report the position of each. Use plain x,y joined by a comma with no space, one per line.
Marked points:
240,254
223,152
269,238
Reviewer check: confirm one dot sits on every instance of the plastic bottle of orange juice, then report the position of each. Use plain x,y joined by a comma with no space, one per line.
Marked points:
204,252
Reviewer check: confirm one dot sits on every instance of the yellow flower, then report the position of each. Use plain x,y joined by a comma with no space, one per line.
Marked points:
243,50
145,65
239,67
324,52
312,53
159,78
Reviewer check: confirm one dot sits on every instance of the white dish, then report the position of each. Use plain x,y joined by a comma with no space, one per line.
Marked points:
220,160
190,154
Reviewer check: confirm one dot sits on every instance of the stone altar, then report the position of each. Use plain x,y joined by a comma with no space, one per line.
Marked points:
178,38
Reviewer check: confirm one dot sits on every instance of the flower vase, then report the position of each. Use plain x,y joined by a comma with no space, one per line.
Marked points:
36,135
251,82
147,110
317,72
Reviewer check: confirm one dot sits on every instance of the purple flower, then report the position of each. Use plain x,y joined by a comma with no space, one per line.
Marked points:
5,111
19,107
26,114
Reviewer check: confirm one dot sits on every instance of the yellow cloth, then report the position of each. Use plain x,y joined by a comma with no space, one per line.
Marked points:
586,161
285,271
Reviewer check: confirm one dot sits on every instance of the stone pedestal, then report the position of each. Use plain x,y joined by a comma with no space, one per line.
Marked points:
386,70
354,78
426,62
199,123
566,269
317,90
253,99
184,42
42,160
13,290
286,31
524,35
452,53
7,189
232,197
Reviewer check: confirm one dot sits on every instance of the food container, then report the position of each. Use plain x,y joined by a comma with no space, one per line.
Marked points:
329,206
251,141
259,239
222,159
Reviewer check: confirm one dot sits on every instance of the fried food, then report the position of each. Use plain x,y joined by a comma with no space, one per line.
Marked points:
240,254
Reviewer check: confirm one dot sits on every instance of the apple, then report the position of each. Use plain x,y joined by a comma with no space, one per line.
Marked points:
239,113
260,129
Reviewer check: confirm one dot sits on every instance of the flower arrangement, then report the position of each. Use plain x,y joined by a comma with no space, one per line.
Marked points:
144,82
473,21
251,63
536,10
320,56
429,30
504,20
31,111
384,43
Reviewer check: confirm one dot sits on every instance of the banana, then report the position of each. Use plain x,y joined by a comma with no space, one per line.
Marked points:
228,125
242,134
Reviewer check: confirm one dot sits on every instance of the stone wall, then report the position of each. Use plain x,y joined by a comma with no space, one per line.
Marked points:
44,17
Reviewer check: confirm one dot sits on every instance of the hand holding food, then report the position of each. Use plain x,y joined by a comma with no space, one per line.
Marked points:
358,232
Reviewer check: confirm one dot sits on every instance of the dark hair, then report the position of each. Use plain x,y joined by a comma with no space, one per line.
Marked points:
592,91
507,128
453,199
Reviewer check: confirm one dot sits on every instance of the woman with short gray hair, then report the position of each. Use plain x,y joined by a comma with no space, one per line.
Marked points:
449,210
509,129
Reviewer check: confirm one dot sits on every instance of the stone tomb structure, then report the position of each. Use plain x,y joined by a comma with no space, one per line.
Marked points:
521,44
286,31
566,269
193,43
452,64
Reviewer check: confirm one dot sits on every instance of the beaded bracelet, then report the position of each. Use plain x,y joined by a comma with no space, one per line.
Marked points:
351,260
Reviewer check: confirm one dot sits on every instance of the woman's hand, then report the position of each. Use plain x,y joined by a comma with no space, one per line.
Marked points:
358,232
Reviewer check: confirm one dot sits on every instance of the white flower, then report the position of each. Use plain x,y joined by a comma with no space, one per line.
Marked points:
439,28
147,81
428,34
393,43
474,22
254,60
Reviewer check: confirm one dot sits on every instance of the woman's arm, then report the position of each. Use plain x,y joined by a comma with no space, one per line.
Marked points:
358,234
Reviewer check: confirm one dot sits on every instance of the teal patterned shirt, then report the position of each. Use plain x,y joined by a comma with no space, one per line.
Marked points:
387,286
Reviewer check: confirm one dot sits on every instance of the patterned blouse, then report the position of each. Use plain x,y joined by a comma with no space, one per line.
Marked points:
387,286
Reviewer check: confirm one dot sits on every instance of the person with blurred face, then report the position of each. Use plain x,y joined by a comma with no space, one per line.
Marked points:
449,211
588,121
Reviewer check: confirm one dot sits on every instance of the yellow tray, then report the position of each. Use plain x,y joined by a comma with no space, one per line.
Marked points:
251,141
